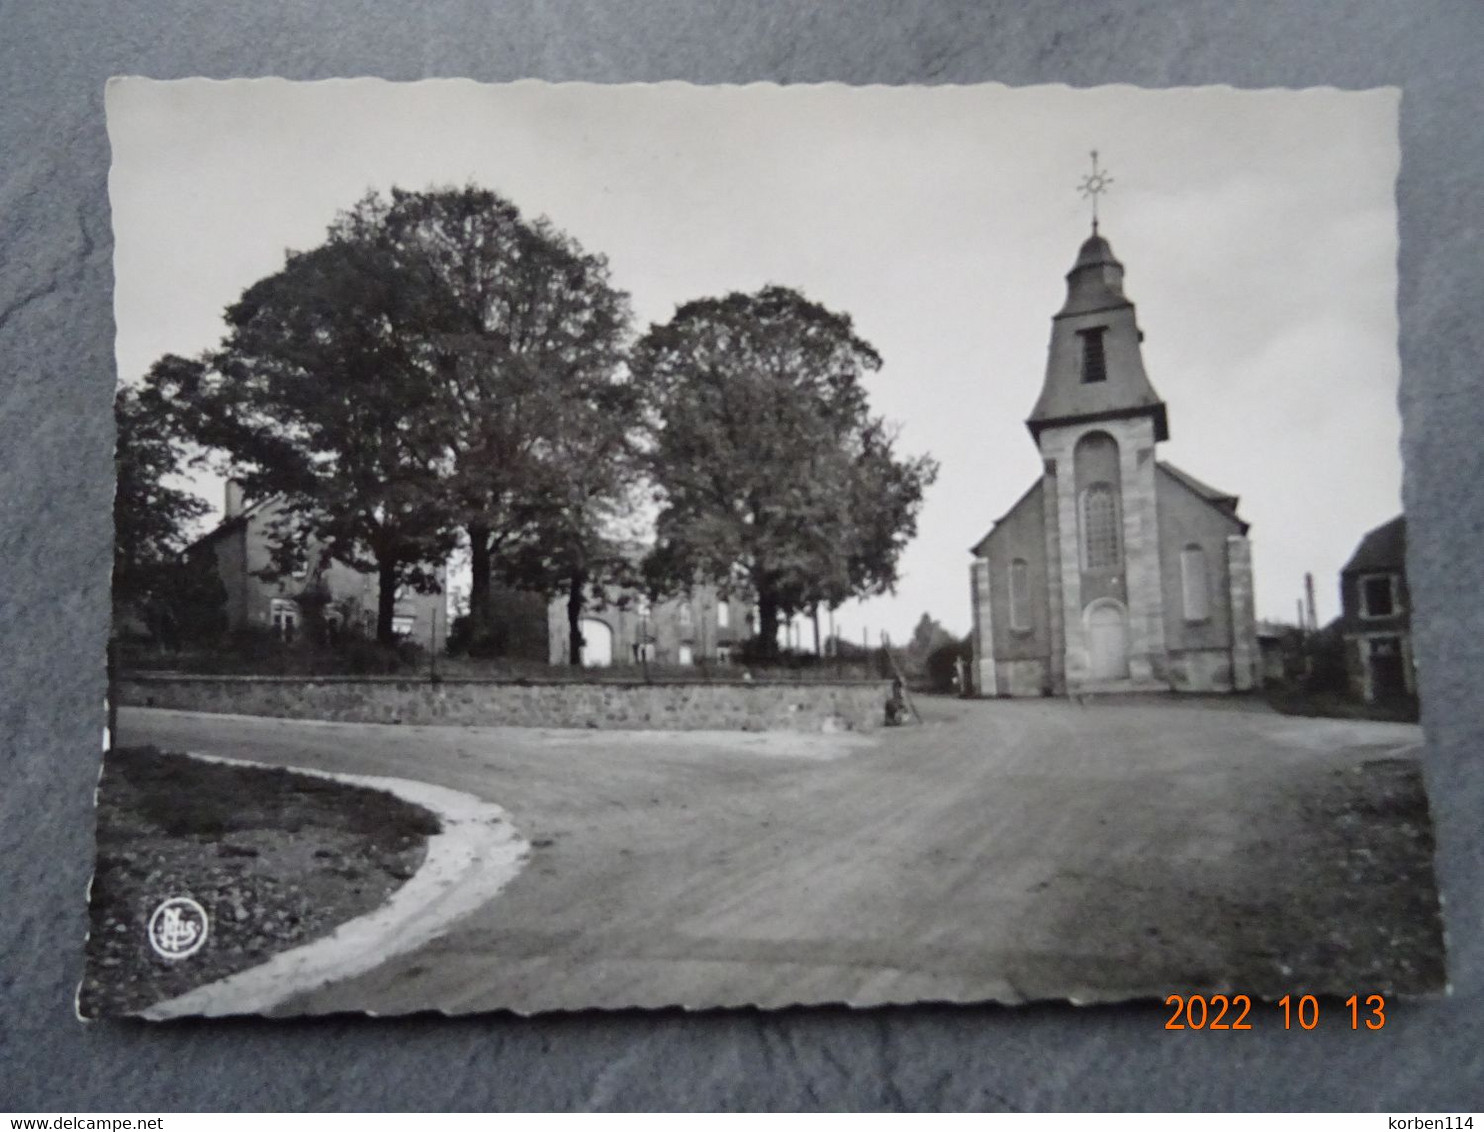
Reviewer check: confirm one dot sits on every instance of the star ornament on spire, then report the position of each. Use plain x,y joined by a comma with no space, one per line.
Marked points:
1094,185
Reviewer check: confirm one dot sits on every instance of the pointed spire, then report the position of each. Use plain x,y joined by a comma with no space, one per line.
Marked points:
1096,279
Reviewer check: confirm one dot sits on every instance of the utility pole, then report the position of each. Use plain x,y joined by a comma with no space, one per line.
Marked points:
1313,623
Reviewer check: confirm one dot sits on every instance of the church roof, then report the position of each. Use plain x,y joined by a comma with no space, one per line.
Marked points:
1223,501
1033,492
1096,279
1095,250
1384,548
1204,490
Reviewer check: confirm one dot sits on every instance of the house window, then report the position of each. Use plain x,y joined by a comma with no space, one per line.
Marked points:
1099,528
403,626
683,615
644,652
1378,596
686,655
1094,362
1020,595
723,653
1193,583
284,615
723,615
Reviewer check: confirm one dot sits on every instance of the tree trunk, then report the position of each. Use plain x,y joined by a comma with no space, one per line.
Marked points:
386,600
767,625
814,613
480,612
574,617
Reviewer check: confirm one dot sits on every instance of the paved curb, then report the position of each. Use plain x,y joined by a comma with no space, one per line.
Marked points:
476,855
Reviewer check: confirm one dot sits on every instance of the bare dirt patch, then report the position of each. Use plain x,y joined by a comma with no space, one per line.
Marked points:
277,859
1373,887
1298,701
1325,887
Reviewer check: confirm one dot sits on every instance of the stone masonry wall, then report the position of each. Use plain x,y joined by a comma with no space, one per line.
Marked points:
1245,674
983,640
1022,678
1140,535
740,706
1201,670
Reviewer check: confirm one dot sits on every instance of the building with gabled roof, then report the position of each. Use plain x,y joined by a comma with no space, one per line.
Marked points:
1115,571
1376,616
258,598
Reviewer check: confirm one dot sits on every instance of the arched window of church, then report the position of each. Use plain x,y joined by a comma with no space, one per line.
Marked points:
1100,550
1193,583
1020,594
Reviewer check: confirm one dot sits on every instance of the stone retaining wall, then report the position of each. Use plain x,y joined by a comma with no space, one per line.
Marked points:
712,705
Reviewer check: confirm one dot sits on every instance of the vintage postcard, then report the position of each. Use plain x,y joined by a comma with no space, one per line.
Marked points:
656,545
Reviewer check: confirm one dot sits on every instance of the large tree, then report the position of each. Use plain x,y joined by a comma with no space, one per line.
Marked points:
773,477
417,378
526,363
320,394
153,517
586,509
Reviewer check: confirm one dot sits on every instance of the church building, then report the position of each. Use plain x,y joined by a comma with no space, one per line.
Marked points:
1116,571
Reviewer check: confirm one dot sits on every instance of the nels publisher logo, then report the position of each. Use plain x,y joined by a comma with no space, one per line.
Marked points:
177,928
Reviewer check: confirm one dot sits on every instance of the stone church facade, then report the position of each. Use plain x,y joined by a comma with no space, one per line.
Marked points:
1116,571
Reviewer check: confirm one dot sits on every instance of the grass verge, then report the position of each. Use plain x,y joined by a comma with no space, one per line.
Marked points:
1332,705
275,858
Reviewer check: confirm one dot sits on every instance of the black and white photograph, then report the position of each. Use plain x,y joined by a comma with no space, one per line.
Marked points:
656,545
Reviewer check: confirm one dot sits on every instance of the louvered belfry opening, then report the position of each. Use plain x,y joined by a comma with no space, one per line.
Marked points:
1094,360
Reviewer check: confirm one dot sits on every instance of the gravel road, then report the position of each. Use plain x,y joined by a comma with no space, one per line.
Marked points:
1005,850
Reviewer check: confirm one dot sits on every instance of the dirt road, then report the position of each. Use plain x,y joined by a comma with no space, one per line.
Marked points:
1004,850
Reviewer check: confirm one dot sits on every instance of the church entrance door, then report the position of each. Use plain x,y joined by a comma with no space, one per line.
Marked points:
1107,641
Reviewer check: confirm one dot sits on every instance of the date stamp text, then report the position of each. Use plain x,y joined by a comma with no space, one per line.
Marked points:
1235,1012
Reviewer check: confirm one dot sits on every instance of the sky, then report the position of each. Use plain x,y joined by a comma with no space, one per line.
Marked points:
1257,230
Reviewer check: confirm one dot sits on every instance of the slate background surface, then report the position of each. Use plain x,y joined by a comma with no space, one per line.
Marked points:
56,379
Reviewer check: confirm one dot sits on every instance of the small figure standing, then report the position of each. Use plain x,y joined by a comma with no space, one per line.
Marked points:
896,705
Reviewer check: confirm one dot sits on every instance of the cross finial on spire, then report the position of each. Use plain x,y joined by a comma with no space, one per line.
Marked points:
1094,185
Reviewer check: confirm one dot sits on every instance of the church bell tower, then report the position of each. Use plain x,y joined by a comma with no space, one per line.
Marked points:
1116,571
1097,423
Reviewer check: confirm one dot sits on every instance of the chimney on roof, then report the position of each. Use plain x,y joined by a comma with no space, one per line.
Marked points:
234,501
